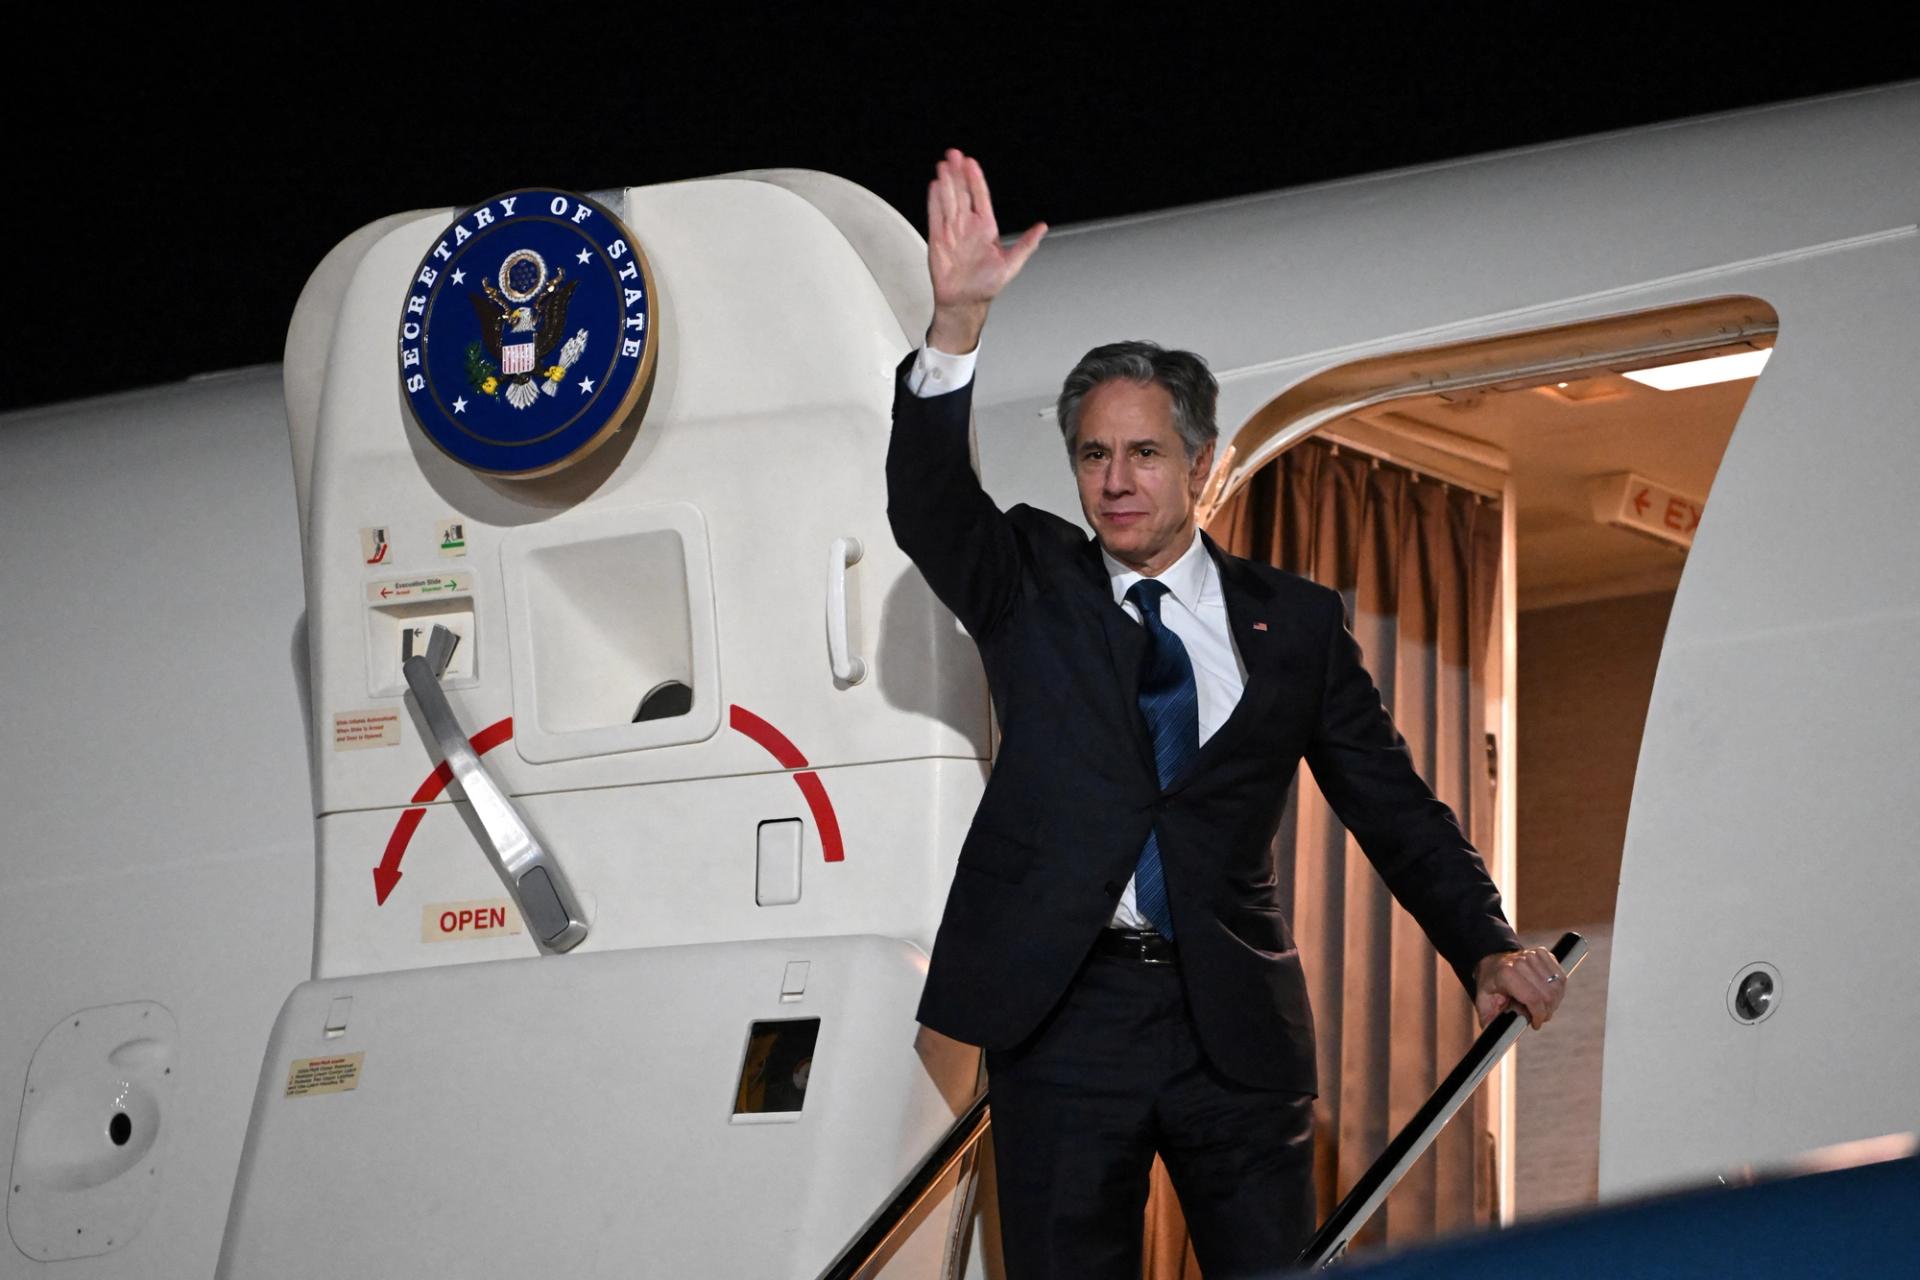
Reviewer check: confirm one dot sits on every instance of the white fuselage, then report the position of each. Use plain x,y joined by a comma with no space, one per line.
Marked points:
185,617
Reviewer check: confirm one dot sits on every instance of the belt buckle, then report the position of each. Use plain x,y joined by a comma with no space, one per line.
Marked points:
1142,946
1154,948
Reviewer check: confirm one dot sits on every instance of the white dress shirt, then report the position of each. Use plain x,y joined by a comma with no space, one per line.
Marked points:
1193,608
935,373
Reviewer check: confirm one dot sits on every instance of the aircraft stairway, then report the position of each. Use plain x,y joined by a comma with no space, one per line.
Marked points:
955,1152
1853,1219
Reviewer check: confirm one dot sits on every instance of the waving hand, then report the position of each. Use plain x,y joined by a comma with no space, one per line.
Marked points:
965,259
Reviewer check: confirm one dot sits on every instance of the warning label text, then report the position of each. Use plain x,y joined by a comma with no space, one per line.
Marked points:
354,730
310,1076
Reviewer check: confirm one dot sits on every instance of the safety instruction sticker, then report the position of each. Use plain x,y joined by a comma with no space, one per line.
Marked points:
452,537
310,1076
425,587
373,544
356,730
445,921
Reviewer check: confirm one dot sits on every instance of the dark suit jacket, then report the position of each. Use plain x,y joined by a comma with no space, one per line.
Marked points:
1074,789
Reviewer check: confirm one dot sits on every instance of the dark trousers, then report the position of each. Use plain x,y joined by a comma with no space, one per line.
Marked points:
1113,1075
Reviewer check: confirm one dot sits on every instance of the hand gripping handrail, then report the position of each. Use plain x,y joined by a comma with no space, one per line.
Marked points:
1408,1145
531,874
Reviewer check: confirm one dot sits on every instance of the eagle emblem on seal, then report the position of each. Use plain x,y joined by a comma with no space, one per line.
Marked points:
523,327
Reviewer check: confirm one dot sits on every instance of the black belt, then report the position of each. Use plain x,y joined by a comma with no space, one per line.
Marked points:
1141,945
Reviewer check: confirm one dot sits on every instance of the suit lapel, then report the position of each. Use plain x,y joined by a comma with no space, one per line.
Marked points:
1126,648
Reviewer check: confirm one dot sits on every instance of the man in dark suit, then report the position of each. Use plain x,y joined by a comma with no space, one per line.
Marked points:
1113,936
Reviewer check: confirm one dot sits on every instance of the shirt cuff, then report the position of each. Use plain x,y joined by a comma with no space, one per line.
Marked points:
935,373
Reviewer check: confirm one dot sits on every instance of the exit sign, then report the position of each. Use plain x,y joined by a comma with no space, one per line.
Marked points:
1628,501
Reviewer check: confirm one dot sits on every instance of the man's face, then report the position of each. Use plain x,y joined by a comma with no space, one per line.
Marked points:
1137,487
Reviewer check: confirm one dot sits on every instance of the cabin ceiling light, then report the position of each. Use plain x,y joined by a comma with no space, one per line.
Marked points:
1584,387
1699,373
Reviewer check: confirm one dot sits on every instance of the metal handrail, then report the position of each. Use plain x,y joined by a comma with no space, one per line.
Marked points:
854,1261
1408,1145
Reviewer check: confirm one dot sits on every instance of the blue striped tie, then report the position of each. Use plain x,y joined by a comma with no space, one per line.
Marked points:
1170,702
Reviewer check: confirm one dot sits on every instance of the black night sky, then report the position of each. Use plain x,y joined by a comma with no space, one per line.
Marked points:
171,184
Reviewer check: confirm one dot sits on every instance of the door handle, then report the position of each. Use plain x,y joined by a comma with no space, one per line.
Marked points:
848,668
531,874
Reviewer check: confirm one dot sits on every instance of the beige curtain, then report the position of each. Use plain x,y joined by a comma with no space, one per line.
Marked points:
1418,563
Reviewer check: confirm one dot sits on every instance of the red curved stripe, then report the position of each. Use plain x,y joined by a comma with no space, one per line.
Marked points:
823,815
767,736
387,873
782,749
777,744
397,842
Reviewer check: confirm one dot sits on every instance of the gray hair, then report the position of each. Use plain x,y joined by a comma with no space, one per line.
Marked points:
1182,373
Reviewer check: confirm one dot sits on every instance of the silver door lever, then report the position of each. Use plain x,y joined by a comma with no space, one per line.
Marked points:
546,901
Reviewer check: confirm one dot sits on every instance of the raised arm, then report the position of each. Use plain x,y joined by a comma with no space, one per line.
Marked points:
941,517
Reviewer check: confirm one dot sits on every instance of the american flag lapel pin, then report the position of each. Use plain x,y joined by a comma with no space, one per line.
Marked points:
1259,626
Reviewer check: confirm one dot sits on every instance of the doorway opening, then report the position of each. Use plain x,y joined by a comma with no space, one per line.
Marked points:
1590,467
